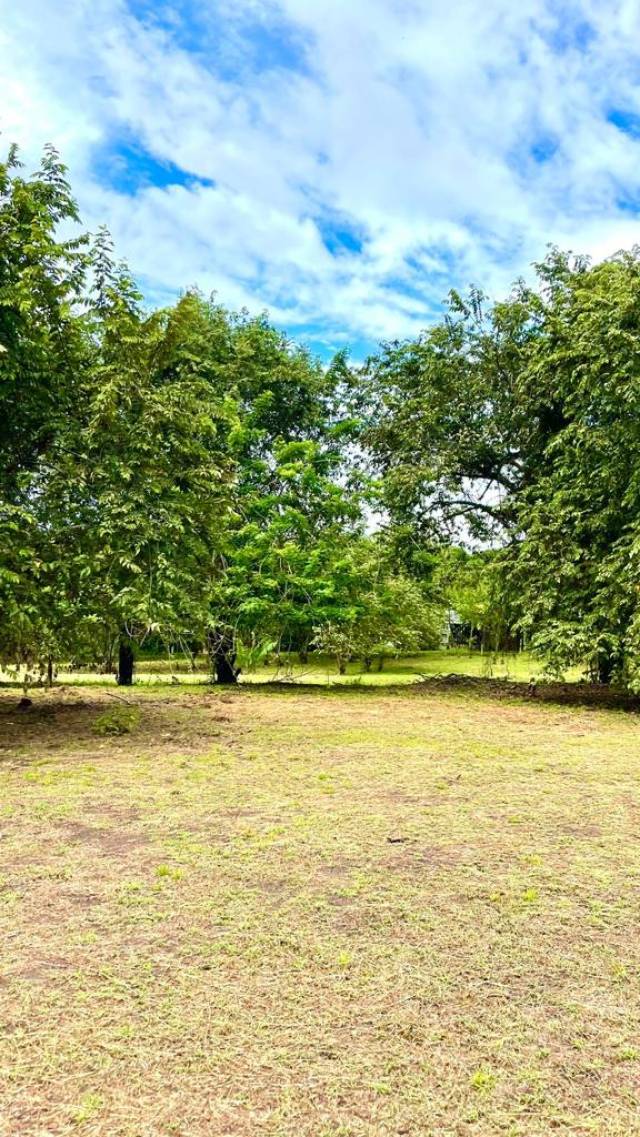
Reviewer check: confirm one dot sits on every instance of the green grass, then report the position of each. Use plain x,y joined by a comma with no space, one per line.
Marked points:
310,914
520,666
517,666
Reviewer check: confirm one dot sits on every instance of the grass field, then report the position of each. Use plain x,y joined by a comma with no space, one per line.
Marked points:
518,666
317,914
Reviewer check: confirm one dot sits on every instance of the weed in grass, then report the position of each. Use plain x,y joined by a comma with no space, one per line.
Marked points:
381,1088
87,938
483,1080
119,720
89,1106
166,872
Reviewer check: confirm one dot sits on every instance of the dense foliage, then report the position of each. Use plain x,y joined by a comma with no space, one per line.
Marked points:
518,425
190,475
177,474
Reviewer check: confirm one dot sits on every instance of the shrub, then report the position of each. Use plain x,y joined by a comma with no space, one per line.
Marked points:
120,720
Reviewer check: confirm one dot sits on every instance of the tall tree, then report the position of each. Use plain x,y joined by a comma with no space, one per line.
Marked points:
288,564
517,424
113,462
290,500
451,424
45,354
575,572
152,485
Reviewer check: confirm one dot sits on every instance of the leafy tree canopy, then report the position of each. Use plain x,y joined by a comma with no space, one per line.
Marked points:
516,425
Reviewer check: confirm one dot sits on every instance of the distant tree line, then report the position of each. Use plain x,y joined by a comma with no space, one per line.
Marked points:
188,475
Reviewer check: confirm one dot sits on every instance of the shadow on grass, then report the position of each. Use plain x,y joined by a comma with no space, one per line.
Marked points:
581,694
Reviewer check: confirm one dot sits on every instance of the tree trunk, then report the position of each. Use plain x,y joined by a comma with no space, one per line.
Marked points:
50,671
222,655
125,662
108,666
605,669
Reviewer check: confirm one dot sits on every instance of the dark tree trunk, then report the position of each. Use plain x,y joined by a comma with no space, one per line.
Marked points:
222,655
125,662
50,671
605,669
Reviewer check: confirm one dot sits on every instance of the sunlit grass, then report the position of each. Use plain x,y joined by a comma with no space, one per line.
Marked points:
515,666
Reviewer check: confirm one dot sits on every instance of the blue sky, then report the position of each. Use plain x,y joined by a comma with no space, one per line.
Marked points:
339,164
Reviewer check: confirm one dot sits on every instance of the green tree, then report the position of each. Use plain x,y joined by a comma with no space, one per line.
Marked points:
115,464
45,354
452,425
517,424
153,484
472,586
291,498
388,613
43,345
288,562
575,571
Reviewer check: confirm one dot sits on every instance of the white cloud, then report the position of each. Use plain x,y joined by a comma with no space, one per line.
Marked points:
414,120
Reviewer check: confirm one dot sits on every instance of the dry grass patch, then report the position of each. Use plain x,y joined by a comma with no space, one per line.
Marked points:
318,915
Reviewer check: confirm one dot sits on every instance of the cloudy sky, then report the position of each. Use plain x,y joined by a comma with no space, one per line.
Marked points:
342,163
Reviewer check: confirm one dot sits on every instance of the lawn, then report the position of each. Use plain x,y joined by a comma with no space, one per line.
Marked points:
320,669
329,913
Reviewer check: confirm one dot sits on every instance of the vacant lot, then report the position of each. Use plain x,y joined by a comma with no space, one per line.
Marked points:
325,914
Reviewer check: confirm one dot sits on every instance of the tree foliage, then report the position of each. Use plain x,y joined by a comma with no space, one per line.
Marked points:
175,472
517,424
574,569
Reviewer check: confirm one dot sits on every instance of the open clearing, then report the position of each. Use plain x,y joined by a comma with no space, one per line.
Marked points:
318,914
